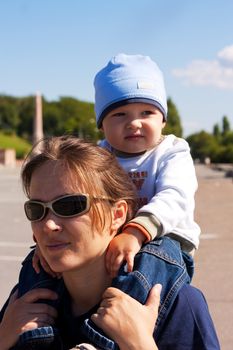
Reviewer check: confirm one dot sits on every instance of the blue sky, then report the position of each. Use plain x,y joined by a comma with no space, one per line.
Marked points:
57,46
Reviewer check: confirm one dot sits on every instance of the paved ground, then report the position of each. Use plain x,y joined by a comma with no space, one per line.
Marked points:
214,259
15,233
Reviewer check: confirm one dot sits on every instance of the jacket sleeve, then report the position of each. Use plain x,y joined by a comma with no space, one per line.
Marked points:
189,324
175,188
6,303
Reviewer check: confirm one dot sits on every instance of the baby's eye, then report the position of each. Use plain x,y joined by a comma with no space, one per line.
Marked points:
119,114
147,112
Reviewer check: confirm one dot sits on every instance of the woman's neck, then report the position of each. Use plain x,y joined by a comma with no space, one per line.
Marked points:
86,287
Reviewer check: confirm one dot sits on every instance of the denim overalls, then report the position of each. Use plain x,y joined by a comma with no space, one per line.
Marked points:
159,261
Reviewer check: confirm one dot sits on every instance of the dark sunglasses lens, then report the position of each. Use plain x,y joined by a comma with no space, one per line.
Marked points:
70,206
34,211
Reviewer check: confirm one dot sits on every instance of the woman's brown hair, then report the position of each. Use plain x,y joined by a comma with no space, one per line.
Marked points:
91,168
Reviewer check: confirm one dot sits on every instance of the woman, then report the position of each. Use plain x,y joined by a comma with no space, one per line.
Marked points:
79,198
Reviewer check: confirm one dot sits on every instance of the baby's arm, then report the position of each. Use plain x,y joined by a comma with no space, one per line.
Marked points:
175,188
142,229
38,260
124,247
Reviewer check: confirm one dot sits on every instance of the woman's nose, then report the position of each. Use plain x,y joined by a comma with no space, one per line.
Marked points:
52,223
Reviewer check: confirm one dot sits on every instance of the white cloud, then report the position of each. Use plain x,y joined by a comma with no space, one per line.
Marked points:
226,55
217,73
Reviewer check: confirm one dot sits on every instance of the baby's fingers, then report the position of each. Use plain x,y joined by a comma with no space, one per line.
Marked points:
116,264
130,261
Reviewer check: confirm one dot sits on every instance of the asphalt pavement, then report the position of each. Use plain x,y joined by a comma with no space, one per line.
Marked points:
15,231
214,258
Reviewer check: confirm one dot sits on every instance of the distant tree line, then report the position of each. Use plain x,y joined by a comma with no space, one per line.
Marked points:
69,115
218,145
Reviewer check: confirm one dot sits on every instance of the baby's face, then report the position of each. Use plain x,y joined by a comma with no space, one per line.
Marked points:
133,128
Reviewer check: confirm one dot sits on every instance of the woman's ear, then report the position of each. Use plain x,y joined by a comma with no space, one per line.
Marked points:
119,213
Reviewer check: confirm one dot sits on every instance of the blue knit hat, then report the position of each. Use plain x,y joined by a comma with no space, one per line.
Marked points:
128,79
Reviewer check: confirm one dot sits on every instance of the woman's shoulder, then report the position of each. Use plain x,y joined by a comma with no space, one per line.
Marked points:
192,297
189,324
197,315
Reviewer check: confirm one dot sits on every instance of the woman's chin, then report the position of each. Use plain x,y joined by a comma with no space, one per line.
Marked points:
58,265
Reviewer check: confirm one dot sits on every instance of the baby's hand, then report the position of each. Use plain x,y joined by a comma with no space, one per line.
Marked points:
38,260
123,247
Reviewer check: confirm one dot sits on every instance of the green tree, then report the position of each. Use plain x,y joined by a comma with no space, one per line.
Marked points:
26,111
78,118
226,154
53,123
204,145
9,119
228,139
173,125
225,126
217,132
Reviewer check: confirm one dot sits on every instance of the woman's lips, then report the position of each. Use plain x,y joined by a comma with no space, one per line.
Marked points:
57,246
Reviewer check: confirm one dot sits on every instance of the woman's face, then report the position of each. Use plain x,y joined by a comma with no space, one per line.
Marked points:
66,243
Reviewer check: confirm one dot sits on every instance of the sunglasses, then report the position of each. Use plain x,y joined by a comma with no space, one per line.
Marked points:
66,206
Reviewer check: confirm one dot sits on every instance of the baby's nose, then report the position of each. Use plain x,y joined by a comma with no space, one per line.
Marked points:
135,123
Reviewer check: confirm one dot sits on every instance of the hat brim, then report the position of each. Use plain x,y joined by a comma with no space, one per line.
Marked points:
127,101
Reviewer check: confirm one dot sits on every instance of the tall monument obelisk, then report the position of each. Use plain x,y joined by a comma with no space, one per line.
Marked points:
38,119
